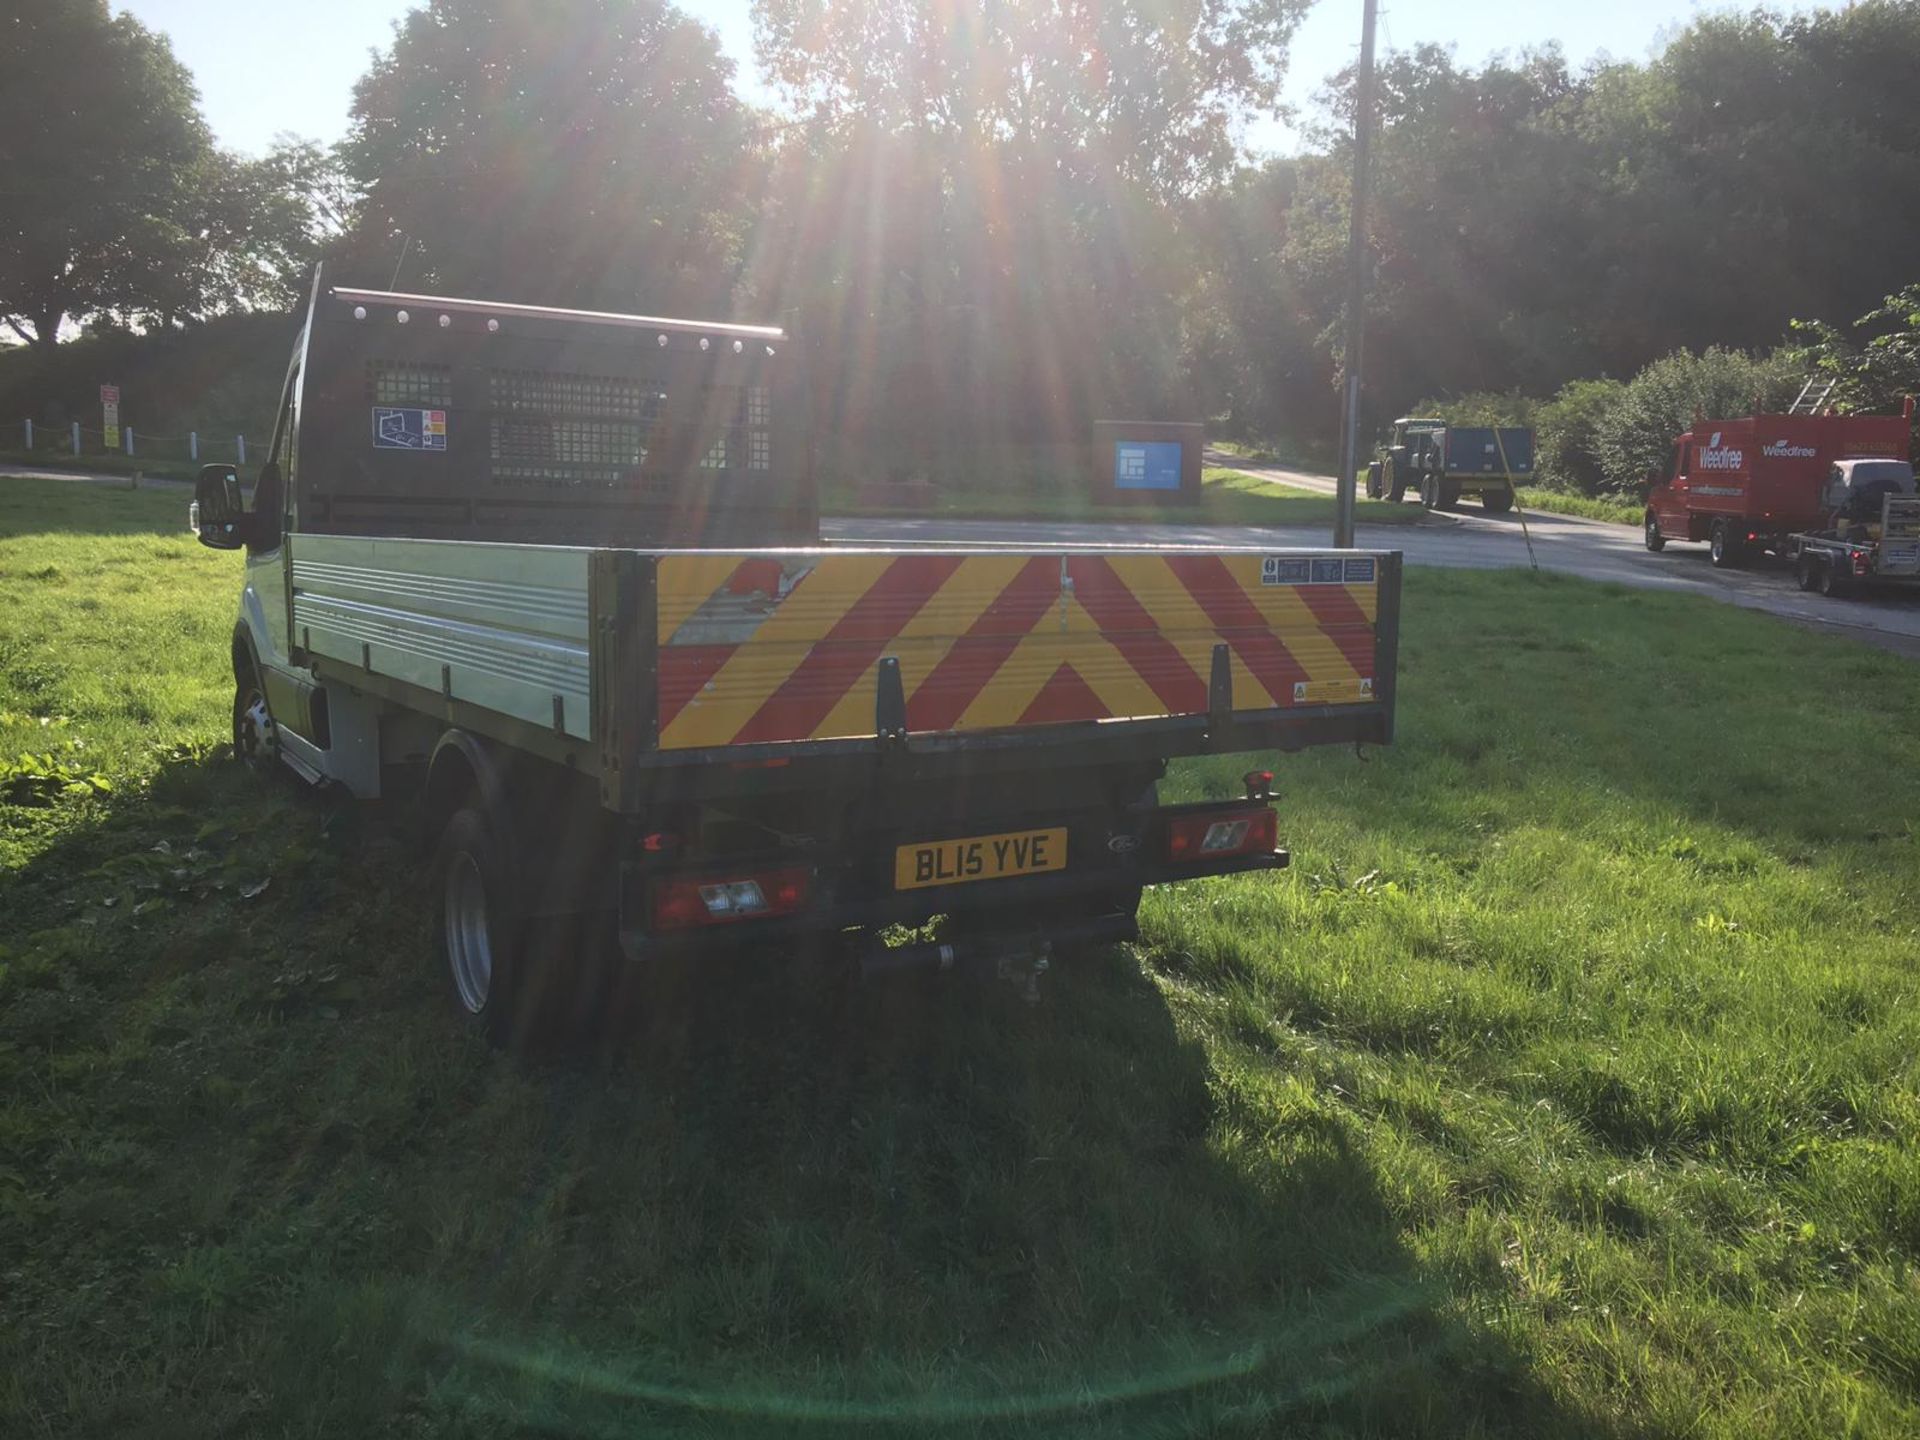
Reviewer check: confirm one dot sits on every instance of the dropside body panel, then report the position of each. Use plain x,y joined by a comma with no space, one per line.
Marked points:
769,646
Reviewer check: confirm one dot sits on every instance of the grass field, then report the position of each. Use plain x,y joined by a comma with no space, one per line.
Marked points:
1620,510
1568,1084
1228,497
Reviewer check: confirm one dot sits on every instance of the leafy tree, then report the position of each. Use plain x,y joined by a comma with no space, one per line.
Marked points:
1885,369
582,152
1567,443
101,136
1139,89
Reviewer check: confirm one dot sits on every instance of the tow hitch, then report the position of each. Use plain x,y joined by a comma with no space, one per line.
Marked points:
1020,958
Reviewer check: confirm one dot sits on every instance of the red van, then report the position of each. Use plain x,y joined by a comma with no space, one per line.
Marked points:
1746,484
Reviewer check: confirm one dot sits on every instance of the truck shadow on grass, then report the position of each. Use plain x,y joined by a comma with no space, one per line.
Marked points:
275,1185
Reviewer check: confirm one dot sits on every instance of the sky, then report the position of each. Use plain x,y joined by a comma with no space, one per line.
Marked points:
270,66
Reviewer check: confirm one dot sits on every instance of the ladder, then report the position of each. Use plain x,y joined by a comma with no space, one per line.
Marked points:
1813,395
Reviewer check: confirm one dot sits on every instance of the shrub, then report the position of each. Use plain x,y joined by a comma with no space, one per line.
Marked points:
1634,434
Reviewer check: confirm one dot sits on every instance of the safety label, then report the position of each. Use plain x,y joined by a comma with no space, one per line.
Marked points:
398,429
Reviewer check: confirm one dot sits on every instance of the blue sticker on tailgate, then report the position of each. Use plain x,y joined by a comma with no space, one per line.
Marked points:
400,429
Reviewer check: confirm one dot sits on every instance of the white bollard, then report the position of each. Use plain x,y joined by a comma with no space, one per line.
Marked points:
193,444
76,437
240,447
129,439
29,434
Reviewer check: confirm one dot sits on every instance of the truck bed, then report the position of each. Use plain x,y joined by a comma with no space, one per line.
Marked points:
631,659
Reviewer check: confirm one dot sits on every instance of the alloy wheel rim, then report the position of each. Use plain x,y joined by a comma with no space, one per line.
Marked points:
253,731
469,942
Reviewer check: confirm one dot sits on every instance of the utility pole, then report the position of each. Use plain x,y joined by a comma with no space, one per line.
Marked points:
1356,282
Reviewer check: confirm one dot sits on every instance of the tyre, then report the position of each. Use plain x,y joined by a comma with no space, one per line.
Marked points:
477,925
1723,546
1832,583
1496,502
1449,495
1430,492
1656,542
1373,481
1397,488
1806,571
256,739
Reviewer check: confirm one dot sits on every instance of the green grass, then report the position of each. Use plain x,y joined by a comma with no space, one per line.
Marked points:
1568,1084
1318,457
1228,497
1620,510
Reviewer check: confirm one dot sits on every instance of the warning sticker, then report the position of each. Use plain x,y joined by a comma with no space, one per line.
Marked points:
1333,692
396,429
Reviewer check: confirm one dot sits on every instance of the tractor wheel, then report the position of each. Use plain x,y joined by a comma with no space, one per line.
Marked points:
1373,481
1656,542
1806,572
1430,491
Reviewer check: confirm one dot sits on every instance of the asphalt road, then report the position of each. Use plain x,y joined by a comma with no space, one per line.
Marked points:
1466,539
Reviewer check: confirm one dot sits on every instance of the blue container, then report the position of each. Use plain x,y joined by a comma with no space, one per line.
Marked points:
1479,450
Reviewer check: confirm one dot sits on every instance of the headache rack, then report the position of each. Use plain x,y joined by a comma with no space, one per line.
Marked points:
466,419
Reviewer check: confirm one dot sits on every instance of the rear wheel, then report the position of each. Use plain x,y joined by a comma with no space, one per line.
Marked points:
1373,481
1656,542
1832,583
1430,491
1806,572
477,922
1496,502
1723,546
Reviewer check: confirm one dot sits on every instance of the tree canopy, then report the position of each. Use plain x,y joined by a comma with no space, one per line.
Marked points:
101,138
1147,90
122,207
580,152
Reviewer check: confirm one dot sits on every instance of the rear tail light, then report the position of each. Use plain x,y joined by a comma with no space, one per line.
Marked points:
1221,834
1862,562
687,902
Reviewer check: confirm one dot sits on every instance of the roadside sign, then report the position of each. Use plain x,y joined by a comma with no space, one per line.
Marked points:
110,415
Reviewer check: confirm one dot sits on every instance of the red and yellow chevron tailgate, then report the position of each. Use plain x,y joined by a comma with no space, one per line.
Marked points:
769,647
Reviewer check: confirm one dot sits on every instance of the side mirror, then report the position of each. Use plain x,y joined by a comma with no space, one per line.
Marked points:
219,514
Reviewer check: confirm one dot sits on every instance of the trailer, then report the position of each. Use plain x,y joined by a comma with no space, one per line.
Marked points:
555,579
1443,462
1873,532
1748,484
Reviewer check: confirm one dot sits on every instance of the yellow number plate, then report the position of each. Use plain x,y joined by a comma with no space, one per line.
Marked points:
979,857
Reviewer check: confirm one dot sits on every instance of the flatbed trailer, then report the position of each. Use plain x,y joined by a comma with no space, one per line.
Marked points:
1873,534
557,577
